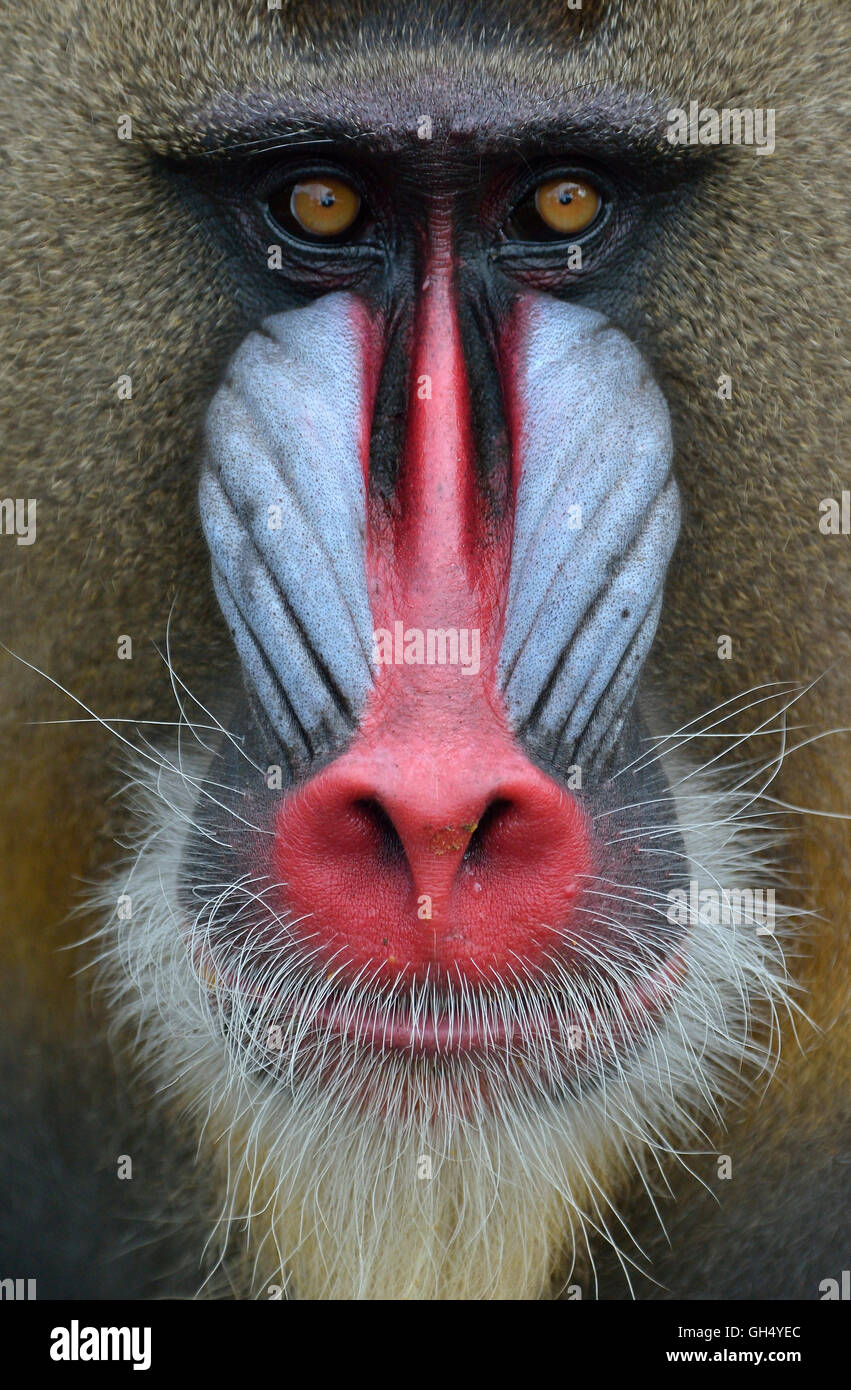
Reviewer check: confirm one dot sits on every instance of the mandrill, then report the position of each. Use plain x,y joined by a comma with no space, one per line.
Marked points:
428,442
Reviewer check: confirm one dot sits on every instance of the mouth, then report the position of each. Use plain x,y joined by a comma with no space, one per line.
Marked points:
538,1026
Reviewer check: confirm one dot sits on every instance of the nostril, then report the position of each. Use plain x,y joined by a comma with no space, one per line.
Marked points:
492,819
431,867
375,819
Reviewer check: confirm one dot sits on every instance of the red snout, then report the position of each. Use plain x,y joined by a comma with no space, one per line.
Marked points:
447,859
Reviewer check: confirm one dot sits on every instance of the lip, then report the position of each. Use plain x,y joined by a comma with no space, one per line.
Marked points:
393,1029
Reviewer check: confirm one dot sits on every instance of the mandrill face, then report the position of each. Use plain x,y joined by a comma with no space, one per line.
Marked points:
432,849
407,917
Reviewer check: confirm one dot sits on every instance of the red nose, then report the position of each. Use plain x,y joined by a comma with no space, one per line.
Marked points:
448,860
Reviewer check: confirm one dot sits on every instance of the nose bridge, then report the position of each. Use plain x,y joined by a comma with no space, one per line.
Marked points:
437,576
437,491
441,561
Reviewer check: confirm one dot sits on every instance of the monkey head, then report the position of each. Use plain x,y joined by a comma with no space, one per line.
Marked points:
426,879
442,921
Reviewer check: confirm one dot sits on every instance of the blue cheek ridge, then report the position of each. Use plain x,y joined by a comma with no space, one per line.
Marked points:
596,522
283,510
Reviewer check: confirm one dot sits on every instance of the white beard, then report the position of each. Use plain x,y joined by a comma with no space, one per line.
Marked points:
504,1200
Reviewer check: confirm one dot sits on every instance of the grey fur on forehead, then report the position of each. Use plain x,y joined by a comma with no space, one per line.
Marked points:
283,431
583,603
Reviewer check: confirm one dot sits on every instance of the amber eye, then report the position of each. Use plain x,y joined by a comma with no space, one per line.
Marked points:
318,207
559,208
567,205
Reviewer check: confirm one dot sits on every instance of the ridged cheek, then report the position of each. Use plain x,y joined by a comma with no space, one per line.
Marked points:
596,519
283,507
